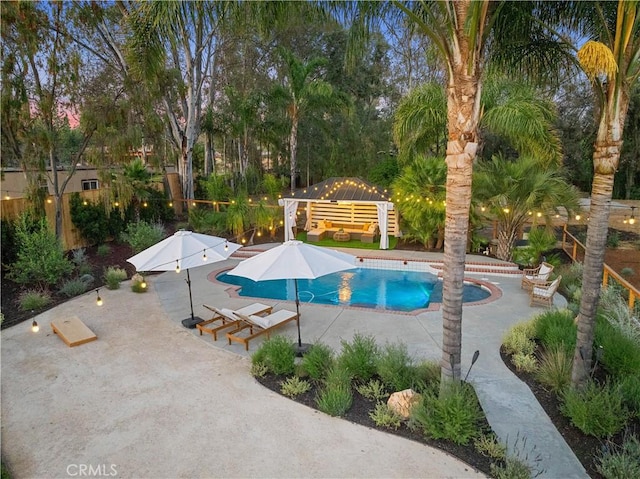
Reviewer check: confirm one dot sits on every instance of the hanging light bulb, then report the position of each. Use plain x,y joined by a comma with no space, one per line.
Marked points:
226,246
143,284
204,255
34,326
539,214
98,299
632,220
625,220
578,217
177,266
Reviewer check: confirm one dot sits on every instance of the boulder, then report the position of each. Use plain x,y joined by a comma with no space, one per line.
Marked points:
401,402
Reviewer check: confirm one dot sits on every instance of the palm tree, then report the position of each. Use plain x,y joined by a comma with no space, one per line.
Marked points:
611,60
460,32
514,190
303,90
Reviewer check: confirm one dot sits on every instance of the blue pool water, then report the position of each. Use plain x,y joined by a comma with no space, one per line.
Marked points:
362,287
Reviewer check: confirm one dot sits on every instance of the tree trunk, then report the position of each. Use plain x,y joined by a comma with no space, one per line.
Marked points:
506,239
293,147
606,157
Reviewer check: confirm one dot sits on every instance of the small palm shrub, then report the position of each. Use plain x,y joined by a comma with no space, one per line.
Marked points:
554,370
294,386
73,287
395,367
277,354
595,410
452,414
616,462
373,390
113,276
359,357
317,361
34,299
384,416
142,235
556,328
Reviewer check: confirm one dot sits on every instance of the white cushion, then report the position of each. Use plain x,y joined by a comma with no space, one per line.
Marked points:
260,321
372,228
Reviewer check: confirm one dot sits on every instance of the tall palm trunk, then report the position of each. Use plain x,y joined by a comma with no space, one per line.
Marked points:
293,147
462,111
606,157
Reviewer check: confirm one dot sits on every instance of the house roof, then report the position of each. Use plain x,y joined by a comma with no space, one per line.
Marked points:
342,189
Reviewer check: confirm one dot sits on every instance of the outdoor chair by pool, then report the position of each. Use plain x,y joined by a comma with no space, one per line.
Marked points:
543,293
534,276
259,325
225,318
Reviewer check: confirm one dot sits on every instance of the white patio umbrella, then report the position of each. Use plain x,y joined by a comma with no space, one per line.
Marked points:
294,260
184,250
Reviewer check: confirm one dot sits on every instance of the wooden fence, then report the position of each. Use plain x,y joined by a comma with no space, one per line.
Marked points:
575,249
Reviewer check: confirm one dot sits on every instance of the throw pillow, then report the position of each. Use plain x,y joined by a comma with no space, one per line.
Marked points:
372,228
328,224
365,227
321,224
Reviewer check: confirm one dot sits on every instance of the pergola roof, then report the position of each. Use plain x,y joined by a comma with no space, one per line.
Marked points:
342,189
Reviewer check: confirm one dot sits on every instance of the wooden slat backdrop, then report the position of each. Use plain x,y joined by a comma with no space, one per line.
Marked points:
354,213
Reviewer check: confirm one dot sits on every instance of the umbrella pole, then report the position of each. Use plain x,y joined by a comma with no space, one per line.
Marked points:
190,298
298,312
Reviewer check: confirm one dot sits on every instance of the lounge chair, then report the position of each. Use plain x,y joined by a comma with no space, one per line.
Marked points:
225,318
534,276
542,293
258,325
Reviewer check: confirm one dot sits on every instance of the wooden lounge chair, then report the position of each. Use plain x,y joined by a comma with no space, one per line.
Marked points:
534,276
225,318
258,325
543,293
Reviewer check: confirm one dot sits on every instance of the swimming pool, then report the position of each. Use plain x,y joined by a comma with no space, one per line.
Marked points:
363,287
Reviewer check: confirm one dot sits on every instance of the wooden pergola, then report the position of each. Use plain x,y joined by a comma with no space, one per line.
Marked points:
341,200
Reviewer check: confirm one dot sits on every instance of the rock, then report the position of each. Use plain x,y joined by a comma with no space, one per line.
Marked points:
402,402
86,279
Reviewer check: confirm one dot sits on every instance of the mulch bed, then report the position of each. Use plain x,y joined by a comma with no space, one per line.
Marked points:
359,414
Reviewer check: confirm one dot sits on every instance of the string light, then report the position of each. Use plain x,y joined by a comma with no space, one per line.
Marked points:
226,246
204,255
143,284
539,214
177,266
578,217
34,326
632,220
98,298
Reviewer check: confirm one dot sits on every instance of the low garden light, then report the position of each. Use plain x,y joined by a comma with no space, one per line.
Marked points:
98,298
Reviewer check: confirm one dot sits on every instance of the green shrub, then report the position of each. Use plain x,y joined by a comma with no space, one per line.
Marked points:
138,284
556,328
294,386
104,250
317,361
512,468
73,287
629,388
384,416
335,399
34,299
518,339
40,257
613,239
277,354
91,220
595,410
525,362
426,376
258,369
206,221
113,276
453,414
142,235
627,272
554,370
359,357
615,309
489,446
373,390
620,462
395,367
620,353
338,376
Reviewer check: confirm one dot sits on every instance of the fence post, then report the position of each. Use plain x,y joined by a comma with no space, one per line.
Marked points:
605,277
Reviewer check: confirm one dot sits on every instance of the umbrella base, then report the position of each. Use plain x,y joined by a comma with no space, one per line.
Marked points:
301,349
191,322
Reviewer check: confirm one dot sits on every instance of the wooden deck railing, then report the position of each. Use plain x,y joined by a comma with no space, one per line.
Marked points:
575,249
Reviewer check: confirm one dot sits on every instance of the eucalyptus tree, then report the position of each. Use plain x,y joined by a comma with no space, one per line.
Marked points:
43,83
611,59
468,36
514,192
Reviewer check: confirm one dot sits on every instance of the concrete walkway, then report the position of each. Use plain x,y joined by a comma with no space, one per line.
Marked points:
150,398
